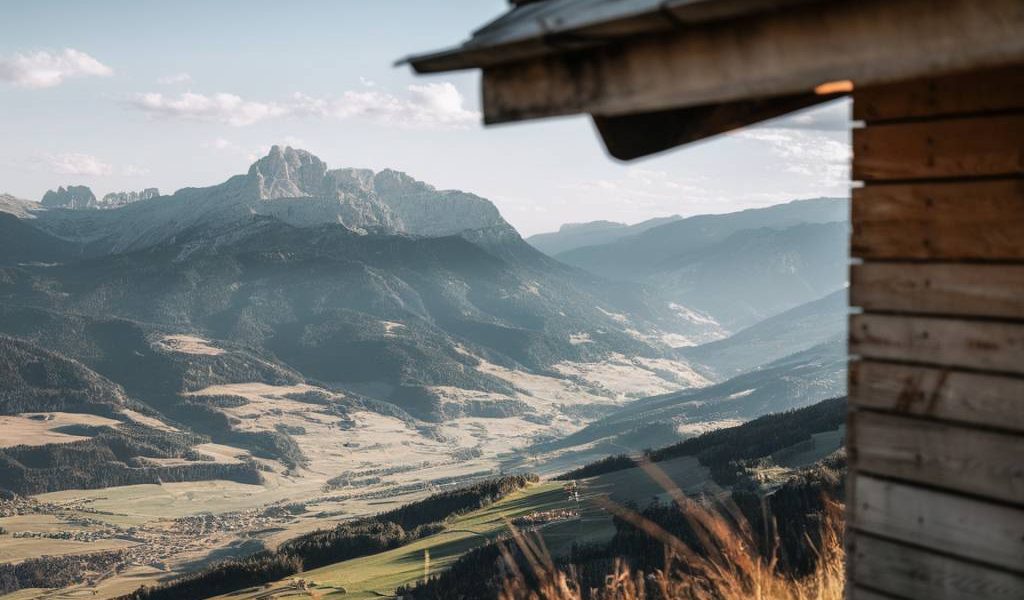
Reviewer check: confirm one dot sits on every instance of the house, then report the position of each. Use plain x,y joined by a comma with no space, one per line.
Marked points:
936,424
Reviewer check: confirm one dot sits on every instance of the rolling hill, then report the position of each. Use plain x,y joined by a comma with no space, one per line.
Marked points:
791,382
794,330
733,269
594,233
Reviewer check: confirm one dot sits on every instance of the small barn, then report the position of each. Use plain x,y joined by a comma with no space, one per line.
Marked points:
936,425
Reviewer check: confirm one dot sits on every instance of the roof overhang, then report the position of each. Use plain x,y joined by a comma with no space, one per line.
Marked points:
653,81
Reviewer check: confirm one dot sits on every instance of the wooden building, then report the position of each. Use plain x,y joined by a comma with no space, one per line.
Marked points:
936,423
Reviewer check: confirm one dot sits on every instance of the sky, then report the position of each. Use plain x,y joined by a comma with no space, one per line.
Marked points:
123,95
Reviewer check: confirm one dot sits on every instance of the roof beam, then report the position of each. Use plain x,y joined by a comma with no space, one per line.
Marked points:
632,136
782,53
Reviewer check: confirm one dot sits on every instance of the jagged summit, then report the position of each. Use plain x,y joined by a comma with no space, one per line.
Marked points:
74,197
289,184
287,173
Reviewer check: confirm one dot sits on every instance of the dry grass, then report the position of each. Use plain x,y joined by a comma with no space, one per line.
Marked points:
728,567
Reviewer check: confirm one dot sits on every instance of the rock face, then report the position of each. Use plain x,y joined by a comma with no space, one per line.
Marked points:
288,184
118,199
17,207
363,200
287,173
76,197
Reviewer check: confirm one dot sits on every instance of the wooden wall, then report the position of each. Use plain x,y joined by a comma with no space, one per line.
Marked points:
936,423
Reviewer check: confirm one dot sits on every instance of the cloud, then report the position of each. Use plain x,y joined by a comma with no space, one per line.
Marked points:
77,164
433,105
134,170
812,154
43,69
225,108
174,78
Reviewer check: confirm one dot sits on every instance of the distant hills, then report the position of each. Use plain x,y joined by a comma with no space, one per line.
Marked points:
794,330
735,268
792,382
577,235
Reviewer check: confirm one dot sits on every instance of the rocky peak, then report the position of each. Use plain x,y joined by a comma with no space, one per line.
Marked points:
75,197
287,173
359,181
393,183
116,199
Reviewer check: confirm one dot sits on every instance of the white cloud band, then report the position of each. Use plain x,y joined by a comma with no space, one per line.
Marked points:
44,69
433,105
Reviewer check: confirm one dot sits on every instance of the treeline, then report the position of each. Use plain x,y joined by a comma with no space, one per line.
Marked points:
208,420
36,380
225,577
112,457
723,451
782,522
55,571
351,539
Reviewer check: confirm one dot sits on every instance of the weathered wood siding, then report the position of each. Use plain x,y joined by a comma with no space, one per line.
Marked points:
936,423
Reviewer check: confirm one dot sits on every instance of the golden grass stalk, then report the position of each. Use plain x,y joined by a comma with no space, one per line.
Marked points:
728,565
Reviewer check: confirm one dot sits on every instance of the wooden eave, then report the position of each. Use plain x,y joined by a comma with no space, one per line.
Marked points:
683,83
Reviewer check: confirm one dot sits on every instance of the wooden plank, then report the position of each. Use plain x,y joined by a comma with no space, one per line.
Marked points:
990,400
859,593
965,147
974,461
939,288
776,54
974,92
973,220
982,345
913,573
974,529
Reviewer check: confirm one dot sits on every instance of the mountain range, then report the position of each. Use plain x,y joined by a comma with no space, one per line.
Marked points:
736,268
373,291
594,233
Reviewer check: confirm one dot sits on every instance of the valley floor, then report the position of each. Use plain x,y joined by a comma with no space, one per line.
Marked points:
358,464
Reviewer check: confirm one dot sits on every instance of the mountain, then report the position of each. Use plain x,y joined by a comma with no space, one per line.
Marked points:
373,282
393,311
577,235
792,382
74,197
734,269
36,380
80,430
20,242
293,186
754,274
21,209
633,258
116,199
794,330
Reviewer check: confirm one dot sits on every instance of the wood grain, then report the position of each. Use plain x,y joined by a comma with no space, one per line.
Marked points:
958,147
970,398
913,573
974,461
859,593
971,220
971,92
776,54
939,288
984,345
